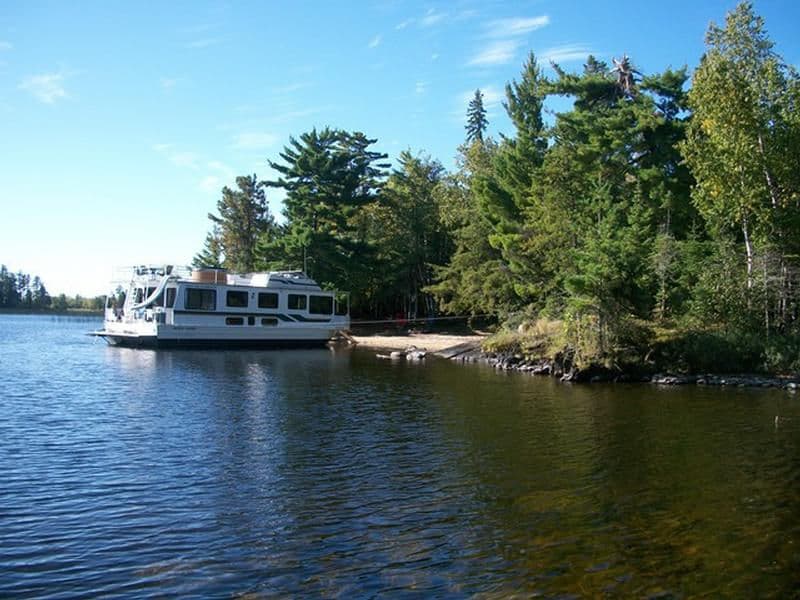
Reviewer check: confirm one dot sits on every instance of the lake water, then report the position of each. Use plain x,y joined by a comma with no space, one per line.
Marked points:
333,473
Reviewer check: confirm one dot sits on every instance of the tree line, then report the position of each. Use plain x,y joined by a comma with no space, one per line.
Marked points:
655,209
21,291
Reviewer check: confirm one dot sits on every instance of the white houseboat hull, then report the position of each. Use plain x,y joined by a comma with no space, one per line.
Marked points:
166,308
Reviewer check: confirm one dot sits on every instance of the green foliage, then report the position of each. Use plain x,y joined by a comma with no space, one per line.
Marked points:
642,203
243,221
411,237
742,146
211,255
476,280
20,290
476,119
330,177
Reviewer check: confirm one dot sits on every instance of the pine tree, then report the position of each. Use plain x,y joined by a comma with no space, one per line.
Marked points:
476,119
211,254
243,218
329,177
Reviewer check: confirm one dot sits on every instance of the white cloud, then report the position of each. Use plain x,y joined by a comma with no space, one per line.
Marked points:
291,87
435,56
5,45
496,53
564,54
220,174
202,43
420,88
431,18
375,42
168,83
210,183
404,24
184,159
162,148
254,140
47,88
505,28
291,115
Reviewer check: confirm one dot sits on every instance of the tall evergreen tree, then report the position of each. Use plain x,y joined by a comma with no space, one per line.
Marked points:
414,237
476,119
9,295
329,176
243,218
211,254
476,280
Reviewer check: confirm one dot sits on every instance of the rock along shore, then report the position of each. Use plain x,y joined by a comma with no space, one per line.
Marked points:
561,369
467,349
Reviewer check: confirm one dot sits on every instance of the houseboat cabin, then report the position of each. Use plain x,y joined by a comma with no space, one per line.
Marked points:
166,305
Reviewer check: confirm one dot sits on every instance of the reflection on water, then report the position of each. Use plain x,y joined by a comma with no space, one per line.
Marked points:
297,473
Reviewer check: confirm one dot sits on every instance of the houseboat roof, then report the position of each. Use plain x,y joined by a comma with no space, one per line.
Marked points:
273,279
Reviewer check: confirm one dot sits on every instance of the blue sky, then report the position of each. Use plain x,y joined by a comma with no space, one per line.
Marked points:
121,121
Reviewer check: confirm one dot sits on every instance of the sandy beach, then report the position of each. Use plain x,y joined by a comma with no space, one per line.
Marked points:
432,342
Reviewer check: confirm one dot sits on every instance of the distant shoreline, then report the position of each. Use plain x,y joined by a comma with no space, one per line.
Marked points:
70,312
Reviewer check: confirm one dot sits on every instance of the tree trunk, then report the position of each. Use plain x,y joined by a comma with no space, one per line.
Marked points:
773,193
748,245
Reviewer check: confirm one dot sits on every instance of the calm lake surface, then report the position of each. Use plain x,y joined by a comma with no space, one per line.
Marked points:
322,473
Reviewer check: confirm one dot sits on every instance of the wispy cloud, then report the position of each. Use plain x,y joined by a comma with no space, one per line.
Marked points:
375,42
564,54
168,83
432,17
202,43
220,173
47,88
435,56
506,35
291,87
178,158
210,183
254,140
184,159
198,29
5,45
404,24
291,115
420,88
496,53
505,28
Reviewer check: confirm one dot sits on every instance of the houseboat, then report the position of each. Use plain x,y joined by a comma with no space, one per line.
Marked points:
172,306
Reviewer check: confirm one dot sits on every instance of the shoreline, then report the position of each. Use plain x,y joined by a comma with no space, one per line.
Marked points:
466,349
432,342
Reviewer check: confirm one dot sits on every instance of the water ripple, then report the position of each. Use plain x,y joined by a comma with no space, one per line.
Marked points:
138,473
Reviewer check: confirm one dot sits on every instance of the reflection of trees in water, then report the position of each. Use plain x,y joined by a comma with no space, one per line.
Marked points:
322,469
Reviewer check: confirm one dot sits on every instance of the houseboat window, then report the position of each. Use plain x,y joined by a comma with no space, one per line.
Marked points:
110,302
158,299
139,296
267,300
200,299
236,299
251,320
269,321
297,301
234,321
320,305
170,300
